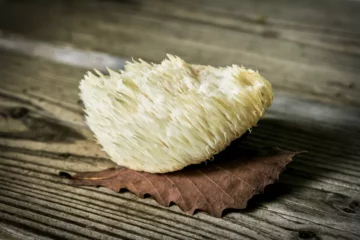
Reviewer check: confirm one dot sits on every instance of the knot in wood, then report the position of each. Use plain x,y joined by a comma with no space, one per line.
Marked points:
307,235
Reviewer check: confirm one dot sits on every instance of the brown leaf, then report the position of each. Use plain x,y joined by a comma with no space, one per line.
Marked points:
224,183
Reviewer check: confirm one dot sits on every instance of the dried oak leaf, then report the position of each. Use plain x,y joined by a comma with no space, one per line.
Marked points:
220,184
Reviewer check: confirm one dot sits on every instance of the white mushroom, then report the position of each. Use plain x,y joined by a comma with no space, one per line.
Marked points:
162,117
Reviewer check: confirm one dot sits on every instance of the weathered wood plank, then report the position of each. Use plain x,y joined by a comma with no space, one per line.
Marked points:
11,232
305,48
309,50
315,194
39,177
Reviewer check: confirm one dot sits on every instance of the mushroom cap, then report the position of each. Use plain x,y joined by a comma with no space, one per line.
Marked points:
162,117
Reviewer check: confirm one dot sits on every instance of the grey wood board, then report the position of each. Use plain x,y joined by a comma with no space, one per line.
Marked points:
306,47
317,194
308,50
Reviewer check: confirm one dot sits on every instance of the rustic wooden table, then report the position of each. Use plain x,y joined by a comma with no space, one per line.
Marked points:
309,50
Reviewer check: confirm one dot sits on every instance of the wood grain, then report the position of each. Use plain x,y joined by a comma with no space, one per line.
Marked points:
309,50
316,194
291,47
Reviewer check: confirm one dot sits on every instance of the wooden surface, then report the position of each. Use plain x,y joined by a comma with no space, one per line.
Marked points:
309,50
